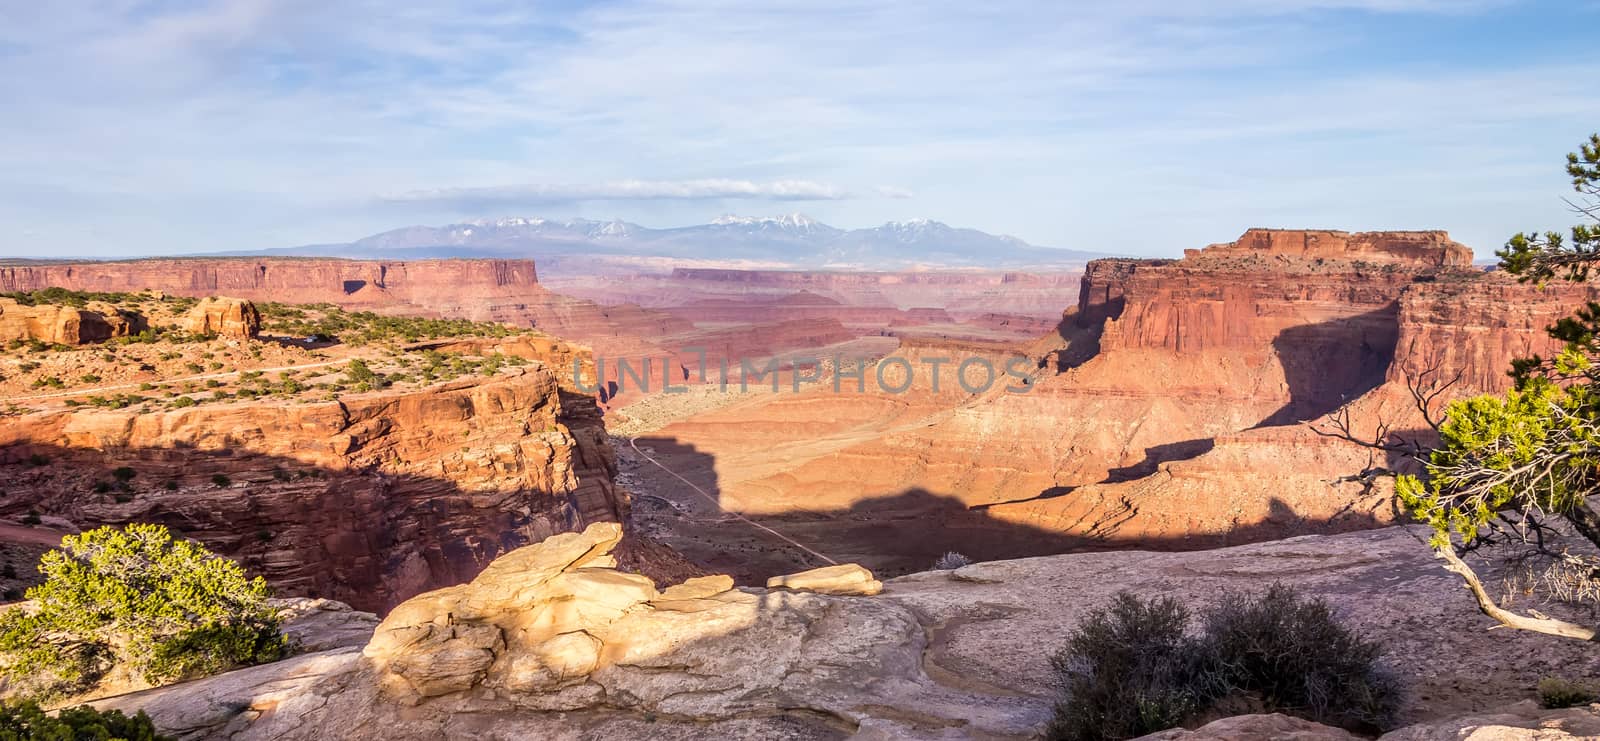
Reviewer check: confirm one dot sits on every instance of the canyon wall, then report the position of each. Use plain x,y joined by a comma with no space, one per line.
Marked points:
369,499
290,280
1173,407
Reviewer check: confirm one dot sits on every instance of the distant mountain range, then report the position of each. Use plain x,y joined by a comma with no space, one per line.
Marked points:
793,239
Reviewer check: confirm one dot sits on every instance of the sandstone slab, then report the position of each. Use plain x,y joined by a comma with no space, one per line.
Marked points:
846,578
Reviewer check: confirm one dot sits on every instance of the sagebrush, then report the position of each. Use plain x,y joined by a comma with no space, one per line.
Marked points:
1138,666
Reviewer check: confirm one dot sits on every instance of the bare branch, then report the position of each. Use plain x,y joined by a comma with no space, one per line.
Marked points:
1486,603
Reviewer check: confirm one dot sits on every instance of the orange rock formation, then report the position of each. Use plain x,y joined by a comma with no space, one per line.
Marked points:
369,499
63,324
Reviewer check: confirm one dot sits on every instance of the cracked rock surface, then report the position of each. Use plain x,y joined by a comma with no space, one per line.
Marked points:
552,642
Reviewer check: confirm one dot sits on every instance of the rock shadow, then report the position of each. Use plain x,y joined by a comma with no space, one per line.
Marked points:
900,532
1328,364
367,537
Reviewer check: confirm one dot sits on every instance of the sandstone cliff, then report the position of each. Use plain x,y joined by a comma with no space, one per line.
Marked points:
369,499
1420,249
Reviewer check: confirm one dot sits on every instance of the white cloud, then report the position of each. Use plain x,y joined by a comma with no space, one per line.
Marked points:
623,190
243,123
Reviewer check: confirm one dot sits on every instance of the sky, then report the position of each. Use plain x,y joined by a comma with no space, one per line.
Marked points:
1134,127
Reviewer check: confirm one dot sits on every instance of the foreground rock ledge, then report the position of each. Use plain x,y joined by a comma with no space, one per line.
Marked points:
948,655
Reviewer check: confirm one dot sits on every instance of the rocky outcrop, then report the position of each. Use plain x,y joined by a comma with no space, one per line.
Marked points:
369,499
558,627
224,317
1419,249
1264,727
65,325
1524,721
846,578
938,655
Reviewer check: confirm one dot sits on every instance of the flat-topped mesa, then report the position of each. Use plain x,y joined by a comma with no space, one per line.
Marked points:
435,284
1432,248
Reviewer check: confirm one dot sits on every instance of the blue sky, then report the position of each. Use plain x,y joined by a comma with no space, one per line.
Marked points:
1139,126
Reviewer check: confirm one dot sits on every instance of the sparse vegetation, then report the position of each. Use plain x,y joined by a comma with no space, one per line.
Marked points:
1133,667
1556,692
26,721
325,322
1128,669
137,597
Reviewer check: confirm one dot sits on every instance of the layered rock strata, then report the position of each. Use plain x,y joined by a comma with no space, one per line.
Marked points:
369,499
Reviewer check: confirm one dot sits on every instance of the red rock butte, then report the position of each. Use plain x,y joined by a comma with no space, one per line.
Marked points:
1432,248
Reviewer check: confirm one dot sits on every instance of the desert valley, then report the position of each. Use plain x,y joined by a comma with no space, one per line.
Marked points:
368,431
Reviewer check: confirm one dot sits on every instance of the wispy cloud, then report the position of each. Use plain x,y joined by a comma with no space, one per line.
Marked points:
623,190
135,126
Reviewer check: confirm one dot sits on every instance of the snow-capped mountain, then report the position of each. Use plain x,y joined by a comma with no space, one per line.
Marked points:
794,239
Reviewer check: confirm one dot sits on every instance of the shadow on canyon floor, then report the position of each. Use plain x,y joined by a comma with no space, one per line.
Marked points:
893,533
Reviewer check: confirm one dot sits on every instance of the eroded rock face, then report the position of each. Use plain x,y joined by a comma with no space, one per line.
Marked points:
554,626
224,317
370,499
65,325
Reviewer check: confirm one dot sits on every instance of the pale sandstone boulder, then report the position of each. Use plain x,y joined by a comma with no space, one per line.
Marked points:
547,628
1524,721
225,317
1263,727
322,624
845,578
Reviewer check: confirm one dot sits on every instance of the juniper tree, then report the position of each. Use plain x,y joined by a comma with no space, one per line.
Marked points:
1512,462
165,608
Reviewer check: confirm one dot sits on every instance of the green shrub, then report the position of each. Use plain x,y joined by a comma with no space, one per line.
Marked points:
1555,692
26,721
163,607
123,474
1131,668
183,401
1128,670
221,480
1294,655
